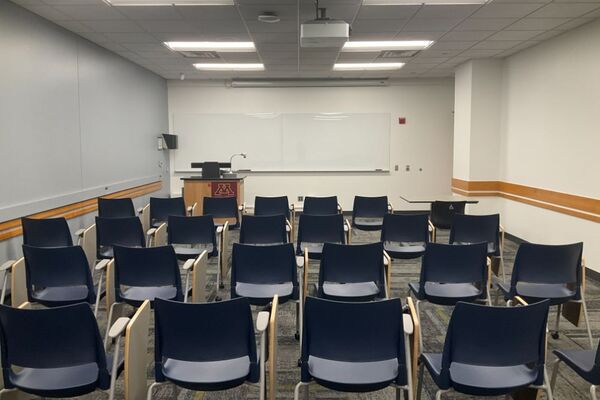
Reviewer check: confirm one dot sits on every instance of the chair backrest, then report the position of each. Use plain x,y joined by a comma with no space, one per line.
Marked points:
220,207
268,229
204,332
542,263
66,336
475,229
442,212
445,263
353,332
272,206
119,231
263,265
320,205
405,228
145,267
320,229
344,263
46,232
162,208
56,267
192,230
496,336
370,207
115,208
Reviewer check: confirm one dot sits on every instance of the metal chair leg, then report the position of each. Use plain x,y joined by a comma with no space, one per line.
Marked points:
593,392
418,309
554,374
587,321
150,388
547,385
4,283
557,322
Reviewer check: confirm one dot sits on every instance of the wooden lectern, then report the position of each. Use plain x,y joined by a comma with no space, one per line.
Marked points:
195,189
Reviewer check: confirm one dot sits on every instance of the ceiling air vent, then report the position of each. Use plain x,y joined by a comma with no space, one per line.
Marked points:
398,53
206,55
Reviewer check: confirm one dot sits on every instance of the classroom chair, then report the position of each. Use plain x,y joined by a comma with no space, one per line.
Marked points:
190,356
264,230
58,352
223,209
452,273
157,211
585,363
490,351
368,212
260,272
321,205
117,231
315,230
468,229
442,215
115,208
276,206
553,272
356,347
405,236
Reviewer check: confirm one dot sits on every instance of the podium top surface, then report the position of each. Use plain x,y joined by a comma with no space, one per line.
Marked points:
200,178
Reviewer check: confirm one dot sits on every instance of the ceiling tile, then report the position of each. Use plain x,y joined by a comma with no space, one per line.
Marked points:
441,11
509,10
48,12
452,45
485,24
515,35
561,10
574,23
91,12
431,24
150,13
496,44
167,26
117,26
466,36
131,37
377,25
387,12
537,24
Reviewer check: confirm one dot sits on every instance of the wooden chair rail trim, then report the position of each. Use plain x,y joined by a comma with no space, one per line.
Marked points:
577,206
12,228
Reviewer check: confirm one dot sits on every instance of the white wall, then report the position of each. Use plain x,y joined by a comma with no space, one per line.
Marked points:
424,142
76,120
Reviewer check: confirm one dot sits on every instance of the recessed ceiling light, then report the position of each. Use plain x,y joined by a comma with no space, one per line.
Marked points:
269,17
387,45
366,66
230,67
170,2
232,47
418,3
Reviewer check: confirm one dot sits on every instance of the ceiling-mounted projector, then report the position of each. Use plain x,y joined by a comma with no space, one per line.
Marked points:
324,31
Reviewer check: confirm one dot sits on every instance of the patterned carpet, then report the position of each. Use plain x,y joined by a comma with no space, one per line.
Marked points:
434,322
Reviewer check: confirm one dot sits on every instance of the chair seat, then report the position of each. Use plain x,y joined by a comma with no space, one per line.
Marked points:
187,252
368,223
404,249
106,252
350,376
447,293
582,362
157,222
267,290
61,295
207,375
491,247
141,293
350,290
558,293
57,382
313,248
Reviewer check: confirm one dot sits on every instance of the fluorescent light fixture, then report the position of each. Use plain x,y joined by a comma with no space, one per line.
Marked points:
223,47
419,3
366,66
381,45
279,83
170,2
230,67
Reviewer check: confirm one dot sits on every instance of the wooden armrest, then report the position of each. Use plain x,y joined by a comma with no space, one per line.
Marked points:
141,210
521,301
118,328
189,264
431,227
219,229
79,232
102,265
300,261
408,324
387,260
262,321
390,207
7,265
339,208
151,231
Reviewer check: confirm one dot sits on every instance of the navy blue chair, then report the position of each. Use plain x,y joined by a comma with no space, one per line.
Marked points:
356,347
58,276
468,229
115,208
452,273
46,232
221,208
368,212
405,236
491,351
273,206
321,205
208,347
315,230
586,363
442,214
117,231
190,236
162,208
553,272
352,273
56,352
264,230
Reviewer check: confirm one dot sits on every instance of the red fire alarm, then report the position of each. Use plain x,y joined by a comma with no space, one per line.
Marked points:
402,120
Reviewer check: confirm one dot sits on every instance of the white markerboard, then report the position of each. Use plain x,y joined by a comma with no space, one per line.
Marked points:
285,141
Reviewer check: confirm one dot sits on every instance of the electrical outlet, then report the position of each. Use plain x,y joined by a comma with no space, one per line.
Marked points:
396,167
300,198
407,168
